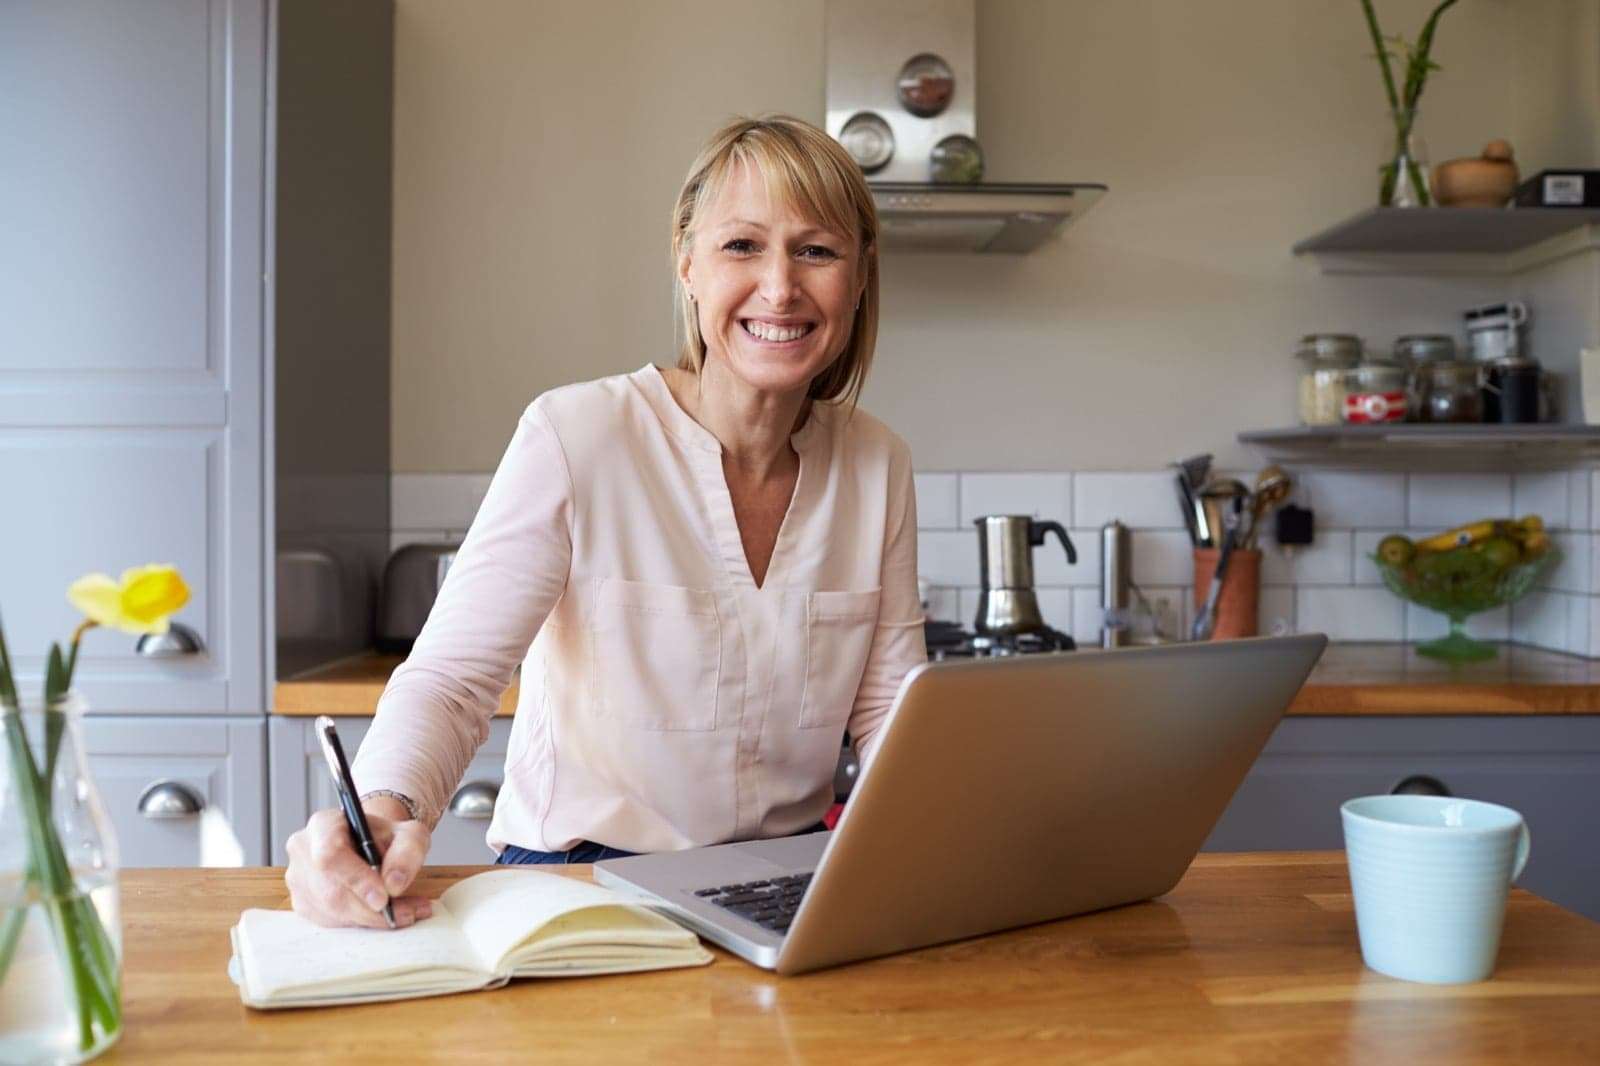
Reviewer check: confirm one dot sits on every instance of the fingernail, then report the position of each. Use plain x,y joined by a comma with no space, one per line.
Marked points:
396,882
376,899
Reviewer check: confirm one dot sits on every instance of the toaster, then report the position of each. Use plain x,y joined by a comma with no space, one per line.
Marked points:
411,581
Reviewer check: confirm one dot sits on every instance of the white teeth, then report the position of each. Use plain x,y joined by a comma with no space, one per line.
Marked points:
768,332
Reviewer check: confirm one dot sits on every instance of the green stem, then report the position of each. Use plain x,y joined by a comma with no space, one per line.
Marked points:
1383,54
10,935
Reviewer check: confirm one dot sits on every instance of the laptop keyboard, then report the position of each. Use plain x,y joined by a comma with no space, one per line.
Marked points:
767,903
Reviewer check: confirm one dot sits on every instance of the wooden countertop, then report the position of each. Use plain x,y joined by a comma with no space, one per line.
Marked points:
1251,959
1351,679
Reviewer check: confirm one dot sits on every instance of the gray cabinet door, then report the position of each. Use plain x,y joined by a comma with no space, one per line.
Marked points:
301,784
1546,767
131,350
218,762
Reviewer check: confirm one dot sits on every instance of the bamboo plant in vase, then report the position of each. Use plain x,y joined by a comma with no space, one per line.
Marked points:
1404,180
60,923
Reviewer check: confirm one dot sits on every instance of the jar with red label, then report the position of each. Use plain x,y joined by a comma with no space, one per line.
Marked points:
1374,392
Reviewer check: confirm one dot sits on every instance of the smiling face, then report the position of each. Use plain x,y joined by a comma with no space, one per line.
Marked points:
775,292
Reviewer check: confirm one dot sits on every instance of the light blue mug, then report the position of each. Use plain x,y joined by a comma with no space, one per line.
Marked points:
1430,876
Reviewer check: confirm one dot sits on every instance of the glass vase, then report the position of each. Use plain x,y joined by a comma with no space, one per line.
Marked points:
1404,175
60,915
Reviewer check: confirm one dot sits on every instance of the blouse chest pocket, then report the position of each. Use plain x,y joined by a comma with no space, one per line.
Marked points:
839,631
658,655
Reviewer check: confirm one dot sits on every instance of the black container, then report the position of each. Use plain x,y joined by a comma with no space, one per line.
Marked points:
1511,391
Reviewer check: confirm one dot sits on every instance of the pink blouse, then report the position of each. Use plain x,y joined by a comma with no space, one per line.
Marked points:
666,701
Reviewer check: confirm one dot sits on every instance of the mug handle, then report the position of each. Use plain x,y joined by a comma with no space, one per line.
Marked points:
1524,846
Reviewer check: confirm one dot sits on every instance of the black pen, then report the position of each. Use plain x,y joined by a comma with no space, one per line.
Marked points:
354,816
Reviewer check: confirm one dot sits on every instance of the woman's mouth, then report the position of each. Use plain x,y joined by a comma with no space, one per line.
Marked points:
773,333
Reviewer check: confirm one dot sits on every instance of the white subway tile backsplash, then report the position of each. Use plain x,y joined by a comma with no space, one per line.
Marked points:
1325,561
1087,617
948,558
1544,494
1578,622
1438,501
944,604
1055,605
1162,558
1594,500
1425,624
435,501
1578,499
1350,500
1350,613
1593,650
1040,495
969,607
1541,618
1050,565
1142,501
936,501
1571,573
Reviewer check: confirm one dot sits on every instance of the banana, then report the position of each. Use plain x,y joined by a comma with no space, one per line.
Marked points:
1458,537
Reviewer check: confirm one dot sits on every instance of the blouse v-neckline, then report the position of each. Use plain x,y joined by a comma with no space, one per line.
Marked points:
705,452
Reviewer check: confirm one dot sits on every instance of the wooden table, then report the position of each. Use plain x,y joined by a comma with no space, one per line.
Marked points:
1350,679
1253,958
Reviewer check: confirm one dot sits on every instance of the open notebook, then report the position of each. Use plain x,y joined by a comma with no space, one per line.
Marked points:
484,931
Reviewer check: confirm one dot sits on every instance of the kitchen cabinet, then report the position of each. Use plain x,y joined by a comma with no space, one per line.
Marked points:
301,784
1547,767
157,774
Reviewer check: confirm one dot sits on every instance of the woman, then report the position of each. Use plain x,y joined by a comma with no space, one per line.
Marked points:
714,565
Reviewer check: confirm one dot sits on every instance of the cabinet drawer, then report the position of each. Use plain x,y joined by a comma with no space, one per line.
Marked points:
198,762
300,785
1548,768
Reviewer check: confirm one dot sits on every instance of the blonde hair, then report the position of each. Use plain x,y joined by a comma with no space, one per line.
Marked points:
809,173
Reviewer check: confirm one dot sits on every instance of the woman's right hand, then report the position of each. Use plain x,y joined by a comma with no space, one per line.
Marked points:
331,884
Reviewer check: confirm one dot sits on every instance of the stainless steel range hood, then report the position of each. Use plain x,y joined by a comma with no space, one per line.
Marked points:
902,98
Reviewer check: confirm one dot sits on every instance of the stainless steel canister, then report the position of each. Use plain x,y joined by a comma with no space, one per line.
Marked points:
1116,573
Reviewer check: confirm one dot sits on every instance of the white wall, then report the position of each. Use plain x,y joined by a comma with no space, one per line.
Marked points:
539,146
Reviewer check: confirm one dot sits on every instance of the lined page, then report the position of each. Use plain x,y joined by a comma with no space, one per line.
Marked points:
281,952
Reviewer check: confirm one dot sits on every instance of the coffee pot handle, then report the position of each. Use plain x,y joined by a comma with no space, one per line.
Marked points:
1037,531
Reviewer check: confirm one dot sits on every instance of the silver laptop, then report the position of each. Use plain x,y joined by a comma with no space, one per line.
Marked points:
1004,792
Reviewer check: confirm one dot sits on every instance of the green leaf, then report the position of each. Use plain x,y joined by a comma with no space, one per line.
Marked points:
55,722
8,688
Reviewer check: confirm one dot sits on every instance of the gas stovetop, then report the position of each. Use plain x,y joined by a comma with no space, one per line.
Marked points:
948,640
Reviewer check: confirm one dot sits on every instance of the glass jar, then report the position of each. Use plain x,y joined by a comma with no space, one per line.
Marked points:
1375,392
1450,392
60,914
1324,358
1416,352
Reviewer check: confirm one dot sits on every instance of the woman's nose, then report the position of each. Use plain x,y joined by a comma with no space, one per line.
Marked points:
777,280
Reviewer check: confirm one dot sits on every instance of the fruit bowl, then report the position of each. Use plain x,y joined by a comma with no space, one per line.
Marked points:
1462,581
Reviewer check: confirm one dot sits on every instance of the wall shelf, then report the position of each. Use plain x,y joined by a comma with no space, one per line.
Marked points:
1452,240
1432,446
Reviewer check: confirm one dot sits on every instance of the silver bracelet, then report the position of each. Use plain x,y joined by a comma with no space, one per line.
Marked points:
404,800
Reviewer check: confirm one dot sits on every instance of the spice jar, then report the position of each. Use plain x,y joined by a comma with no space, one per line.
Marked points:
1375,392
1324,359
1450,392
1417,352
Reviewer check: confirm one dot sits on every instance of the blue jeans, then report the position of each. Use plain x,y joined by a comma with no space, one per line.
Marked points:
583,851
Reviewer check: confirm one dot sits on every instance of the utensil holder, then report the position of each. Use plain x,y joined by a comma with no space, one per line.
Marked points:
1237,606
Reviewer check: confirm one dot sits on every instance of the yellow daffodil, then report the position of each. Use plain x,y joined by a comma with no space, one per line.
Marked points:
141,602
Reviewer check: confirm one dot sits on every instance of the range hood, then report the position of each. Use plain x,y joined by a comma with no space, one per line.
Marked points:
902,99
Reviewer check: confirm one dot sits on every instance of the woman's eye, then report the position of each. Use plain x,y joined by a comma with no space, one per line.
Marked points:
818,253
740,246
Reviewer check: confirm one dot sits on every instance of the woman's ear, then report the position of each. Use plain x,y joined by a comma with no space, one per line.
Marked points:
683,273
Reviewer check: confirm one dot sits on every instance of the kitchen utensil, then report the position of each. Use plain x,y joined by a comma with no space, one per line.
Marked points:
1221,495
1192,473
1206,619
411,581
1273,485
1007,603
1237,610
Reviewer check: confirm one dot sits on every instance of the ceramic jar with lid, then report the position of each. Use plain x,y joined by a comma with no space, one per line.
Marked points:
1450,392
1324,359
1375,391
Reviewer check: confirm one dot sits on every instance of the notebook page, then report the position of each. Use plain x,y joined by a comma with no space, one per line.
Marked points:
502,908
281,952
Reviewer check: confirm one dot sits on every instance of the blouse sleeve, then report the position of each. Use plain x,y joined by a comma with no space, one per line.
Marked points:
897,643
508,574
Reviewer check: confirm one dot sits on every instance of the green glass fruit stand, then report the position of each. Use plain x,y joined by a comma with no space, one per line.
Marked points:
1459,583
